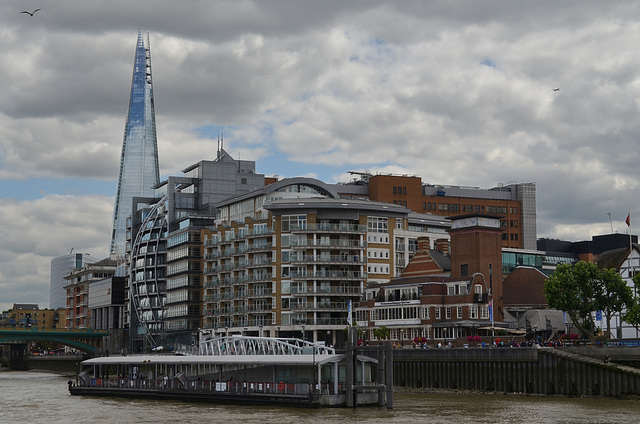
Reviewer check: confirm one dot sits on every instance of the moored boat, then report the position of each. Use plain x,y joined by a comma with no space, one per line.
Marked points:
236,369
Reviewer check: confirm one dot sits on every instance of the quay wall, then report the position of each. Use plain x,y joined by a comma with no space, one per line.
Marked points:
546,371
63,364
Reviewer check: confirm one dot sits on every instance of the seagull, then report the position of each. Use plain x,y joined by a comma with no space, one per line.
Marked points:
556,89
30,13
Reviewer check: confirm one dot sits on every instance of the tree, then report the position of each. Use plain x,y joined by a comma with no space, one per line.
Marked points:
582,289
381,333
632,314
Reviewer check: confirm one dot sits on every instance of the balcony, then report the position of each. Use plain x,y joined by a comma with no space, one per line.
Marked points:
331,275
329,228
332,259
331,291
480,298
331,244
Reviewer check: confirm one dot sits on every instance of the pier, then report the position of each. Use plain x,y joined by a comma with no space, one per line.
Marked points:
545,371
243,369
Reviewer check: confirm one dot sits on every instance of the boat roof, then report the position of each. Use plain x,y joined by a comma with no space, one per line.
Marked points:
256,360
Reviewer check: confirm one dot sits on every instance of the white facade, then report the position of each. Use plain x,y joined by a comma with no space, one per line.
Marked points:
60,267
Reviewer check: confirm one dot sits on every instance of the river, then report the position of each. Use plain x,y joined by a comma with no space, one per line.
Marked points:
38,397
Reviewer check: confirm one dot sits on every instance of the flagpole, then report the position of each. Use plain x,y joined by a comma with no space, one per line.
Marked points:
630,239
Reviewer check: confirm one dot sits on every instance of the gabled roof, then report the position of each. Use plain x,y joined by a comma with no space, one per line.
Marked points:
524,286
614,258
25,307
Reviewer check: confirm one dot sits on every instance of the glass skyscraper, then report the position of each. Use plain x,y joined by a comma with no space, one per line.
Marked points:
139,170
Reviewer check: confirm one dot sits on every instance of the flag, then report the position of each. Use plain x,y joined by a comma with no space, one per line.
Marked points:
349,319
491,309
628,220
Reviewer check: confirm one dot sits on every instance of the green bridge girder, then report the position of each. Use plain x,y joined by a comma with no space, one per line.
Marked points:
86,340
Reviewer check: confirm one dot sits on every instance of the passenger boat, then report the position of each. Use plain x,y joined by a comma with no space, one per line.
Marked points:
236,369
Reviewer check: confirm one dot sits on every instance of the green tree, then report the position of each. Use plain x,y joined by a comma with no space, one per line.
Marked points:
582,289
381,333
632,314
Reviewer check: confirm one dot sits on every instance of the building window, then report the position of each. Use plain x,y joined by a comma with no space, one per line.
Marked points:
394,189
404,190
464,270
424,205
459,312
437,312
447,312
376,224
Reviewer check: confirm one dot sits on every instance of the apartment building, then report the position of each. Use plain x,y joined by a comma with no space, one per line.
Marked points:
514,203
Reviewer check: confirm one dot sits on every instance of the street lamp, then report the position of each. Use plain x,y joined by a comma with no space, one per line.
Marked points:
302,332
278,335
260,331
226,331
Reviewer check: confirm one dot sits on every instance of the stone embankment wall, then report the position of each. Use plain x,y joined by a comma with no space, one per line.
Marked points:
547,371
63,364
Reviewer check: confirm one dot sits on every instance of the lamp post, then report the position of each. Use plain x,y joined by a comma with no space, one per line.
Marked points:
444,331
278,335
260,331
226,331
302,332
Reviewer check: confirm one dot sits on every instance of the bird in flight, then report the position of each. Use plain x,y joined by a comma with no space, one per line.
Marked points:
30,13
556,89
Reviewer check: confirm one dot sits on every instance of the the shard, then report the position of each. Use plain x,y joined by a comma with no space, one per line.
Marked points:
139,170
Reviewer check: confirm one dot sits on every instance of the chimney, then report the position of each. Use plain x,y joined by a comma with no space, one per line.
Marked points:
443,245
424,244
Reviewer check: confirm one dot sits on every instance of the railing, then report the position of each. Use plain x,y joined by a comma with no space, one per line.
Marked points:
342,244
345,275
331,228
333,259
214,386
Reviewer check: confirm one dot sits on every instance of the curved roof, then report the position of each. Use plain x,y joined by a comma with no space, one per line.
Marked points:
311,182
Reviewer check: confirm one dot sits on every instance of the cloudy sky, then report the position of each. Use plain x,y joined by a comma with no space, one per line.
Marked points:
457,92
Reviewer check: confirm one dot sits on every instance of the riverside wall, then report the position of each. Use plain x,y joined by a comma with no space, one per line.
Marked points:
545,371
62,364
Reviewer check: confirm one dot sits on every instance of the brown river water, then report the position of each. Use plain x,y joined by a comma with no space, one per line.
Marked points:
38,397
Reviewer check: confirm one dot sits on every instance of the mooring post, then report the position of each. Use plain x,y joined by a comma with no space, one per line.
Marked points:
350,371
389,374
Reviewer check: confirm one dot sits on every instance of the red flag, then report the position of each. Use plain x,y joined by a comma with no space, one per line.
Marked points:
628,221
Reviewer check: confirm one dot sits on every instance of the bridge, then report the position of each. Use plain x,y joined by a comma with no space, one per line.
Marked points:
86,340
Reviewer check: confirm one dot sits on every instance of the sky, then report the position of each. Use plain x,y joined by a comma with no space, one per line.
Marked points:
471,93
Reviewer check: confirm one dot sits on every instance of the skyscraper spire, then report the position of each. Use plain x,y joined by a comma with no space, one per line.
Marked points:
139,169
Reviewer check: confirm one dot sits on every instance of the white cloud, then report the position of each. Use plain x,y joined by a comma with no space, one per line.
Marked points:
455,92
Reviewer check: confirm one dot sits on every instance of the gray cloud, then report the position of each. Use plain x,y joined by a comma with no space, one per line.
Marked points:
456,92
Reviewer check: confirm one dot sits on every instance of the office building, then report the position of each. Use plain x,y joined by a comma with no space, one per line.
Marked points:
514,203
60,268
166,250
139,169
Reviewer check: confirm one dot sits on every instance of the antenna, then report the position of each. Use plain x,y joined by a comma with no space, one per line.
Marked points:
609,213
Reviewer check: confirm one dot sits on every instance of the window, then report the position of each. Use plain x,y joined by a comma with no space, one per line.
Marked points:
437,314
377,224
293,222
394,189
459,312
464,270
447,313
426,313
